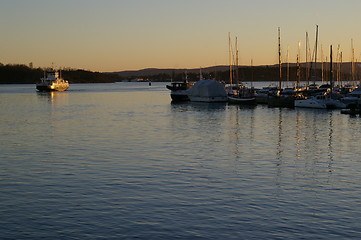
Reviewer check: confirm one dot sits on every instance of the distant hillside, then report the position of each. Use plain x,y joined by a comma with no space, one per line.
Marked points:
157,71
245,73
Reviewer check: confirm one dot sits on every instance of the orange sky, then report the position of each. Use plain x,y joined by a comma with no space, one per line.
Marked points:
113,35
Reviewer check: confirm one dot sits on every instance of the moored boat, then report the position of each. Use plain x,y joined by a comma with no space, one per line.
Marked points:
242,100
52,81
352,98
321,102
179,90
207,91
242,95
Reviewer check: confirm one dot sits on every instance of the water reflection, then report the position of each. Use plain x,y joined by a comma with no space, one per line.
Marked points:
49,96
267,171
197,106
313,143
280,135
53,97
330,141
241,121
295,143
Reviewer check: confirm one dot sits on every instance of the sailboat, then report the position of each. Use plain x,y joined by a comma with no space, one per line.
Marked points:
238,94
323,101
279,99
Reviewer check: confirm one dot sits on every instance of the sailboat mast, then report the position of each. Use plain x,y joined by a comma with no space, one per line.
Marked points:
316,44
279,59
306,61
341,69
230,59
331,70
338,65
298,66
352,64
288,65
237,68
252,73
322,66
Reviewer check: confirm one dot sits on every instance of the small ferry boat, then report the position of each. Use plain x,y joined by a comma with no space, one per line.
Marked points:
52,81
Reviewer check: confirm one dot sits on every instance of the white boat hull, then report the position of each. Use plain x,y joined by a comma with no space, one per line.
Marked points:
320,103
308,103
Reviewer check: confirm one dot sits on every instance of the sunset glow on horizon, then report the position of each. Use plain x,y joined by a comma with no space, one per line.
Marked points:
114,35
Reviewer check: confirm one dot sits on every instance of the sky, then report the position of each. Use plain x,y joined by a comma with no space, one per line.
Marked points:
117,35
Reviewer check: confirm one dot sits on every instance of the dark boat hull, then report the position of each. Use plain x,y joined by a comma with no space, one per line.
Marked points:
179,96
281,101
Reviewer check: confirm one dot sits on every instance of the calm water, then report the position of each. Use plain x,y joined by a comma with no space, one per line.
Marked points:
119,161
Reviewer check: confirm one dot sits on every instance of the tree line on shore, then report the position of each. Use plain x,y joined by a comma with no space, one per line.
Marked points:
22,74
19,73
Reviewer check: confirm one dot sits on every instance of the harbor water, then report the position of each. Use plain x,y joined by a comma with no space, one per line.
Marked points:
120,161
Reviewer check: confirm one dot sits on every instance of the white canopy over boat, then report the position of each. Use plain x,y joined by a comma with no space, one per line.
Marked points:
207,91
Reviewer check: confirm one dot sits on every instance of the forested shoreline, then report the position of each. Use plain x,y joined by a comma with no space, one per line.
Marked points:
22,74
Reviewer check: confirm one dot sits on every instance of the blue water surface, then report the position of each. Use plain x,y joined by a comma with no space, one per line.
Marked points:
120,161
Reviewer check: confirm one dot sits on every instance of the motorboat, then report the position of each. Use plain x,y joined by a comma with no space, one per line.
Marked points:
353,97
321,102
